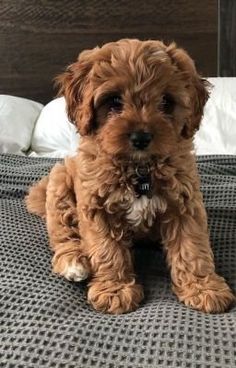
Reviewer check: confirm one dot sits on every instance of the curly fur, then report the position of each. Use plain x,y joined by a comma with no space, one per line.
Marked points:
92,211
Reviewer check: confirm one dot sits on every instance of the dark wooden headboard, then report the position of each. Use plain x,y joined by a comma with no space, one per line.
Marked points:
38,38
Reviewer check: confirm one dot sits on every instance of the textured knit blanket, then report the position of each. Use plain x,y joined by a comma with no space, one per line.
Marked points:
45,320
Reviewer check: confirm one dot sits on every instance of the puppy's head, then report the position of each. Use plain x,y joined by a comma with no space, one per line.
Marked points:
135,98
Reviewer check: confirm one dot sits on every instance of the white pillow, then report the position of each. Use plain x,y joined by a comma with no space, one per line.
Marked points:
17,118
54,135
217,134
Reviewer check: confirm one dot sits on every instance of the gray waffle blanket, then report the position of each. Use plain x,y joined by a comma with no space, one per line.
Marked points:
46,322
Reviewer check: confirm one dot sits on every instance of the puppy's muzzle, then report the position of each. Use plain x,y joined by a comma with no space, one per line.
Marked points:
140,139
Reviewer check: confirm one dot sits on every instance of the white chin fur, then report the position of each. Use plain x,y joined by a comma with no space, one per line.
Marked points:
145,209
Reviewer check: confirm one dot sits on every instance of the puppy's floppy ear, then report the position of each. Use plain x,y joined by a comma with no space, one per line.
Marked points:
198,88
74,85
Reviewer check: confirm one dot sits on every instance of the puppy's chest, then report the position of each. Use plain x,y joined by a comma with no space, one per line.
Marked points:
143,211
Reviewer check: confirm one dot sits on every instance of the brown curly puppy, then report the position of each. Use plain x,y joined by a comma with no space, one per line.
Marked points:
136,105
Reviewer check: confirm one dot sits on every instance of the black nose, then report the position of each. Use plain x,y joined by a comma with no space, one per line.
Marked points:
140,139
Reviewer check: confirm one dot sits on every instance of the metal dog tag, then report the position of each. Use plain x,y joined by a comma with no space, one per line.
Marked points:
143,186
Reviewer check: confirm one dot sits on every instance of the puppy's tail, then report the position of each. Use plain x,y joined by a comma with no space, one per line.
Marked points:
36,199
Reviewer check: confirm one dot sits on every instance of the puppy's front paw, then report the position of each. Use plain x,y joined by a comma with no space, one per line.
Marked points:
72,268
210,295
115,297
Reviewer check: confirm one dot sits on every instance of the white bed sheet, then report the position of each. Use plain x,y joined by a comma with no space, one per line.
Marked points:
217,134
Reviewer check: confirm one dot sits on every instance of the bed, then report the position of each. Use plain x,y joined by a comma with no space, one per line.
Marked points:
45,320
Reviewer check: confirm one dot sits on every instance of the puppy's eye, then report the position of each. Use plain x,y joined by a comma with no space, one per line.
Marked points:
167,104
114,103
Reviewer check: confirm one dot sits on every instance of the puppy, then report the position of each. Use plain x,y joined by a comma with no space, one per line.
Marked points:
136,105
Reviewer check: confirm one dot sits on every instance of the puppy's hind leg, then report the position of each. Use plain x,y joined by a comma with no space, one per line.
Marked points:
36,199
62,224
